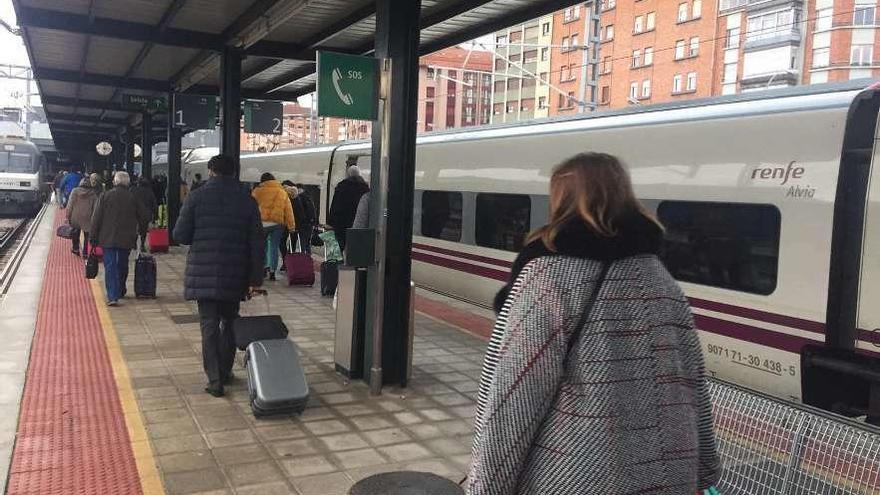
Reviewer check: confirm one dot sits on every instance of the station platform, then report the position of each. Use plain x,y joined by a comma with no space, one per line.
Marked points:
114,400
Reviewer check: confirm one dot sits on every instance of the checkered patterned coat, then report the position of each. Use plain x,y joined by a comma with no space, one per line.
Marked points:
628,412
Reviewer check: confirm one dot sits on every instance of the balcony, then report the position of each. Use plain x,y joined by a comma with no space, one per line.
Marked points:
772,40
726,5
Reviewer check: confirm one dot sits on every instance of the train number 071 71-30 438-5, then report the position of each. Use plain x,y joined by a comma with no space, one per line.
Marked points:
750,360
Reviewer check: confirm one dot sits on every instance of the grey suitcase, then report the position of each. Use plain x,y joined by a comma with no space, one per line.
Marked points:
276,380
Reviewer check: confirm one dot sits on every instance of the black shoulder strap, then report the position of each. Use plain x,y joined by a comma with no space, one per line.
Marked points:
588,308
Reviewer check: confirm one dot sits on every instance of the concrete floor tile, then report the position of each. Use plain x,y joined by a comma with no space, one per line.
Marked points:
351,410
345,441
449,400
161,403
276,488
239,454
165,415
352,459
439,467
456,427
229,438
315,414
339,398
308,465
404,452
253,473
181,443
293,448
425,431
193,482
448,446
324,484
225,422
276,432
157,392
386,436
326,427
407,418
179,427
365,423
186,461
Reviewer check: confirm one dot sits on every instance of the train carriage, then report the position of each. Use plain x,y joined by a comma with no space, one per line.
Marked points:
22,168
770,203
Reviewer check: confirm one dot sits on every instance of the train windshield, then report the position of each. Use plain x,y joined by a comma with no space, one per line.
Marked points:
11,161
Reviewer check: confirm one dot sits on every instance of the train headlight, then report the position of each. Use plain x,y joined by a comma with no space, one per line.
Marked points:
24,184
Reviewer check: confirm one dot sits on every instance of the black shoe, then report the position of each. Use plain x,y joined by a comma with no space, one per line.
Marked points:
283,268
229,378
215,391
74,251
272,276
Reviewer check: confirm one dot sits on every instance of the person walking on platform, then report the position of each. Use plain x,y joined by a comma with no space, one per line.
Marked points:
221,224
68,184
143,191
306,216
593,381
56,186
115,223
345,202
276,214
80,207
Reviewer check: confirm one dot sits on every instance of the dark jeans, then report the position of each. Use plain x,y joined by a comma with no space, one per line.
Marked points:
218,341
75,241
115,272
304,242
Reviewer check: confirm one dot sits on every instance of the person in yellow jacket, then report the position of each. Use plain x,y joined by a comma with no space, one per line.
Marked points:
276,214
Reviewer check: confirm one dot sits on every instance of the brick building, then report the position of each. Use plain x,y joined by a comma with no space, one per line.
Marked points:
298,132
455,89
840,40
575,37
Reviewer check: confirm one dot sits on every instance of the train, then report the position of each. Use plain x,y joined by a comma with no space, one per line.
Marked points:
22,177
770,201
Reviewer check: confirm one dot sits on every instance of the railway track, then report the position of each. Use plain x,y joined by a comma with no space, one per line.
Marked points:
15,238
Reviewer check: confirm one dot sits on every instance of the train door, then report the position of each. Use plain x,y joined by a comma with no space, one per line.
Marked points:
868,322
340,161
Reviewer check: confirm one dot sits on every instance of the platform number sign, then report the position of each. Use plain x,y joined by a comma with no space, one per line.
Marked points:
195,111
263,117
347,86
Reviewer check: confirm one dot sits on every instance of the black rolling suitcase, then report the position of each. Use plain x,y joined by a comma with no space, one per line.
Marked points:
145,276
329,277
248,329
276,380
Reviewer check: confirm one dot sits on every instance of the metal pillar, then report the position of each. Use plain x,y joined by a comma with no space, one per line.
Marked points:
129,149
393,181
147,146
173,192
230,105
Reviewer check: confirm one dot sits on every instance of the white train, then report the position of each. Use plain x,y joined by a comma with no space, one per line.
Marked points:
771,205
22,169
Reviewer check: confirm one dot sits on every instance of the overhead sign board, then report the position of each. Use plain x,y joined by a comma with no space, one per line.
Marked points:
144,103
348,86
263,117
195,111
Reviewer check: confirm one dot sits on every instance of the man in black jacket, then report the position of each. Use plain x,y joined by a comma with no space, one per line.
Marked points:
345,202
221,224
143,191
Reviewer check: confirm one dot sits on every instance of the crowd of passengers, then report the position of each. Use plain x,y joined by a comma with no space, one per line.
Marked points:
593,380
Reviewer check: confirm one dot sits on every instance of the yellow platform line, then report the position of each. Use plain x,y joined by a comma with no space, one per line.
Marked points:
151,481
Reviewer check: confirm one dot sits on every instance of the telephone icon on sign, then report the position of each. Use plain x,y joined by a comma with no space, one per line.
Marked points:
345,97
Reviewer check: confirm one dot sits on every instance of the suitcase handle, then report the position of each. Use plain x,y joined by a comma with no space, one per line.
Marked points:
265,294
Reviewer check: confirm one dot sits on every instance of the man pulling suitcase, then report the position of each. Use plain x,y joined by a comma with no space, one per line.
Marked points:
220,278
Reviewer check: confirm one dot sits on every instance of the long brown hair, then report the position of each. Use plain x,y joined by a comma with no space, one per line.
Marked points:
594,188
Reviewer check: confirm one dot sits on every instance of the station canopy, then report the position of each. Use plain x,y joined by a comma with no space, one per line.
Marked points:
87,54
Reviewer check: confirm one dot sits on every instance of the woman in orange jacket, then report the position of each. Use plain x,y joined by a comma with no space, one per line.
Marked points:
276,214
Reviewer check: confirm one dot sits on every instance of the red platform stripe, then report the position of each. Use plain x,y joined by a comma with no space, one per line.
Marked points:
72,436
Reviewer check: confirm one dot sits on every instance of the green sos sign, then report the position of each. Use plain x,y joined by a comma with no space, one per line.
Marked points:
348,86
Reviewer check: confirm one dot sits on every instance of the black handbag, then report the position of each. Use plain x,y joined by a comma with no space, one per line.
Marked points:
91,267
316,238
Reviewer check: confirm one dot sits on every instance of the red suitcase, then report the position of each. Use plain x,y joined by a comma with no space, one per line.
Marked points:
158,240
300,267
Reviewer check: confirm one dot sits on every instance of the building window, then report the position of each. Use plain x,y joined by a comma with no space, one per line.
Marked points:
731,246
608,4
772,25
730,71
732,39
563,101
609,32
515,57
501,40
565,44
679,49
530,56
682,12
633,90
824,19
563,73
821,57
650,21
516,37
863,15
502,220
500,86
513,84
528,82
574,41
571,14
431,73
606,65
500,64
441,215
605,94
676,83
542,102
637,58
649,56
697,9
692,81
646,88
861,54
694,48
543,77
545,54
511,107
638,26
545,29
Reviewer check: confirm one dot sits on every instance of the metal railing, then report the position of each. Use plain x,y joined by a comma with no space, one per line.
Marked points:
770,447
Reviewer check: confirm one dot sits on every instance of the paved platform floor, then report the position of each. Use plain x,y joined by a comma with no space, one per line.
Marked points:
215,446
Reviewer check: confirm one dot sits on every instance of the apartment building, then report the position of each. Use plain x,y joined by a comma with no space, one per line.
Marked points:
573,71
520,61
300,127
455,89
840,40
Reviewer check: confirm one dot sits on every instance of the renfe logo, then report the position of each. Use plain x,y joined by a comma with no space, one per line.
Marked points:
783,173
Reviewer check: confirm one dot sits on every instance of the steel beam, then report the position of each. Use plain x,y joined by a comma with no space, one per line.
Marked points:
63,101
101,79
86,118
174,172
230,105
147,147
118,29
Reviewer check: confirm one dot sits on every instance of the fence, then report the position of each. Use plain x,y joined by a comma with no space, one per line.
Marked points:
770,447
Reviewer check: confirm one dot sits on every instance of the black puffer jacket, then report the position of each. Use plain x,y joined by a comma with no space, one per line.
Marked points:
344,206
221,223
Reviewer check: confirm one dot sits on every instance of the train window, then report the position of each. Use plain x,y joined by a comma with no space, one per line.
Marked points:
16,162
732,246
441,215
503,220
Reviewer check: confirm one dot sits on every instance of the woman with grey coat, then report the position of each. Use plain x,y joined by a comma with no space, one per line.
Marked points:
593,382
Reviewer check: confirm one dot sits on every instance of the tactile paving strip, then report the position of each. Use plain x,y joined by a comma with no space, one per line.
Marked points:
72,437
